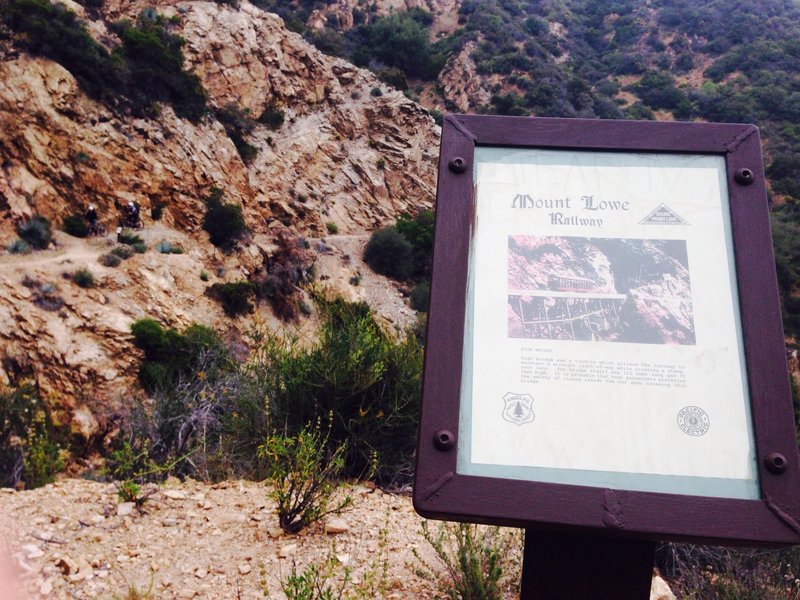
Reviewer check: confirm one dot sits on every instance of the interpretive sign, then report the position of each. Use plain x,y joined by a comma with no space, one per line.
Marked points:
604,343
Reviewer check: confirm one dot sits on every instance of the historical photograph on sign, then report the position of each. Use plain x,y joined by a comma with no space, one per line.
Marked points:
599,289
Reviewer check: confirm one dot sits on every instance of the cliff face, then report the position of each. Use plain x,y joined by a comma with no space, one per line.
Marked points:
345,155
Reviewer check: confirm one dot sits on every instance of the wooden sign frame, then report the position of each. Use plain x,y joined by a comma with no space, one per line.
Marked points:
442,492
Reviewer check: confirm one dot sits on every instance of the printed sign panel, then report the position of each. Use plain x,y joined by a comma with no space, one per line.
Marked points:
603,339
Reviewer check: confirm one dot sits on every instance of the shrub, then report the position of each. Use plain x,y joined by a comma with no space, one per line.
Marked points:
329,578
170,355
272,116
224,222
235,297
394,77
129,237
473,558
139,247
368,380
290,266
401,40
157,210
19,246
737,573
75,225
418,230
154,68
238,124
204,276
37,232
109,260
165,247
376,92
29,448
420,296
45,296
123,252
83,278
53,31
303,470
381,163
389,253
146,68
332,228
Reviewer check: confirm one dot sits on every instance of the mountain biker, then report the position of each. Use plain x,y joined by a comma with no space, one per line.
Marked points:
133,214
91,219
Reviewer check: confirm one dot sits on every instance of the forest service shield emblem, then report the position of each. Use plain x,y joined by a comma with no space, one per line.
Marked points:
518,408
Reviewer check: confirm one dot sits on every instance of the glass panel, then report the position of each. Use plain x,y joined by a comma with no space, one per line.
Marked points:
603,341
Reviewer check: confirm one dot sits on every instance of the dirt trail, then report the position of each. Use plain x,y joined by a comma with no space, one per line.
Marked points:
77,251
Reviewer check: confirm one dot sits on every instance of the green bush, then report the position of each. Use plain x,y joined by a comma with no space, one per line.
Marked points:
29,448
19,246
235,297
170,355
224,222
146,68
55,32
389,253
153,59
368,380
376,92
473,558
420,296
400,40
394,77
238,124
109,260
123,252
303,470
165,247
83,278
157,210
37,232
129,237
75,225
418,230
139,247
273,117
332,228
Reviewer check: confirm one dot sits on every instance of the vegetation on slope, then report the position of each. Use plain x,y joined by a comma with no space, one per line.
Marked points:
147,66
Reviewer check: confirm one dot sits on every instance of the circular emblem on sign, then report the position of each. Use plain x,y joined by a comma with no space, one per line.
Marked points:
693,420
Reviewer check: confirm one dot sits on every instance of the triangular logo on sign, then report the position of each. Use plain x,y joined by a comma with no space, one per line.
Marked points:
663,215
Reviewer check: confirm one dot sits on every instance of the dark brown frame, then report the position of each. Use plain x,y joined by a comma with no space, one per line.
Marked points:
440,492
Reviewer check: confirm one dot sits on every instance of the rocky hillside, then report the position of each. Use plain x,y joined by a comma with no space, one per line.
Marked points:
348,155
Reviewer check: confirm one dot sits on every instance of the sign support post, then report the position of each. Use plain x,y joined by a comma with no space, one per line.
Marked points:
559,566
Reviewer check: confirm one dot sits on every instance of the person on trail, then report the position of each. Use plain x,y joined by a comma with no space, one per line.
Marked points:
91,219
133,218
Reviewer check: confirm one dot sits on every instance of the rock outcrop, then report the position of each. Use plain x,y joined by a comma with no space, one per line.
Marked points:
351,152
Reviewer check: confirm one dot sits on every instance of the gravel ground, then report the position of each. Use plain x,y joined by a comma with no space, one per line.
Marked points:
73,539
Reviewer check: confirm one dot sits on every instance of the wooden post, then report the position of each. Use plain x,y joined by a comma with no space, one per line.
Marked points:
558,566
